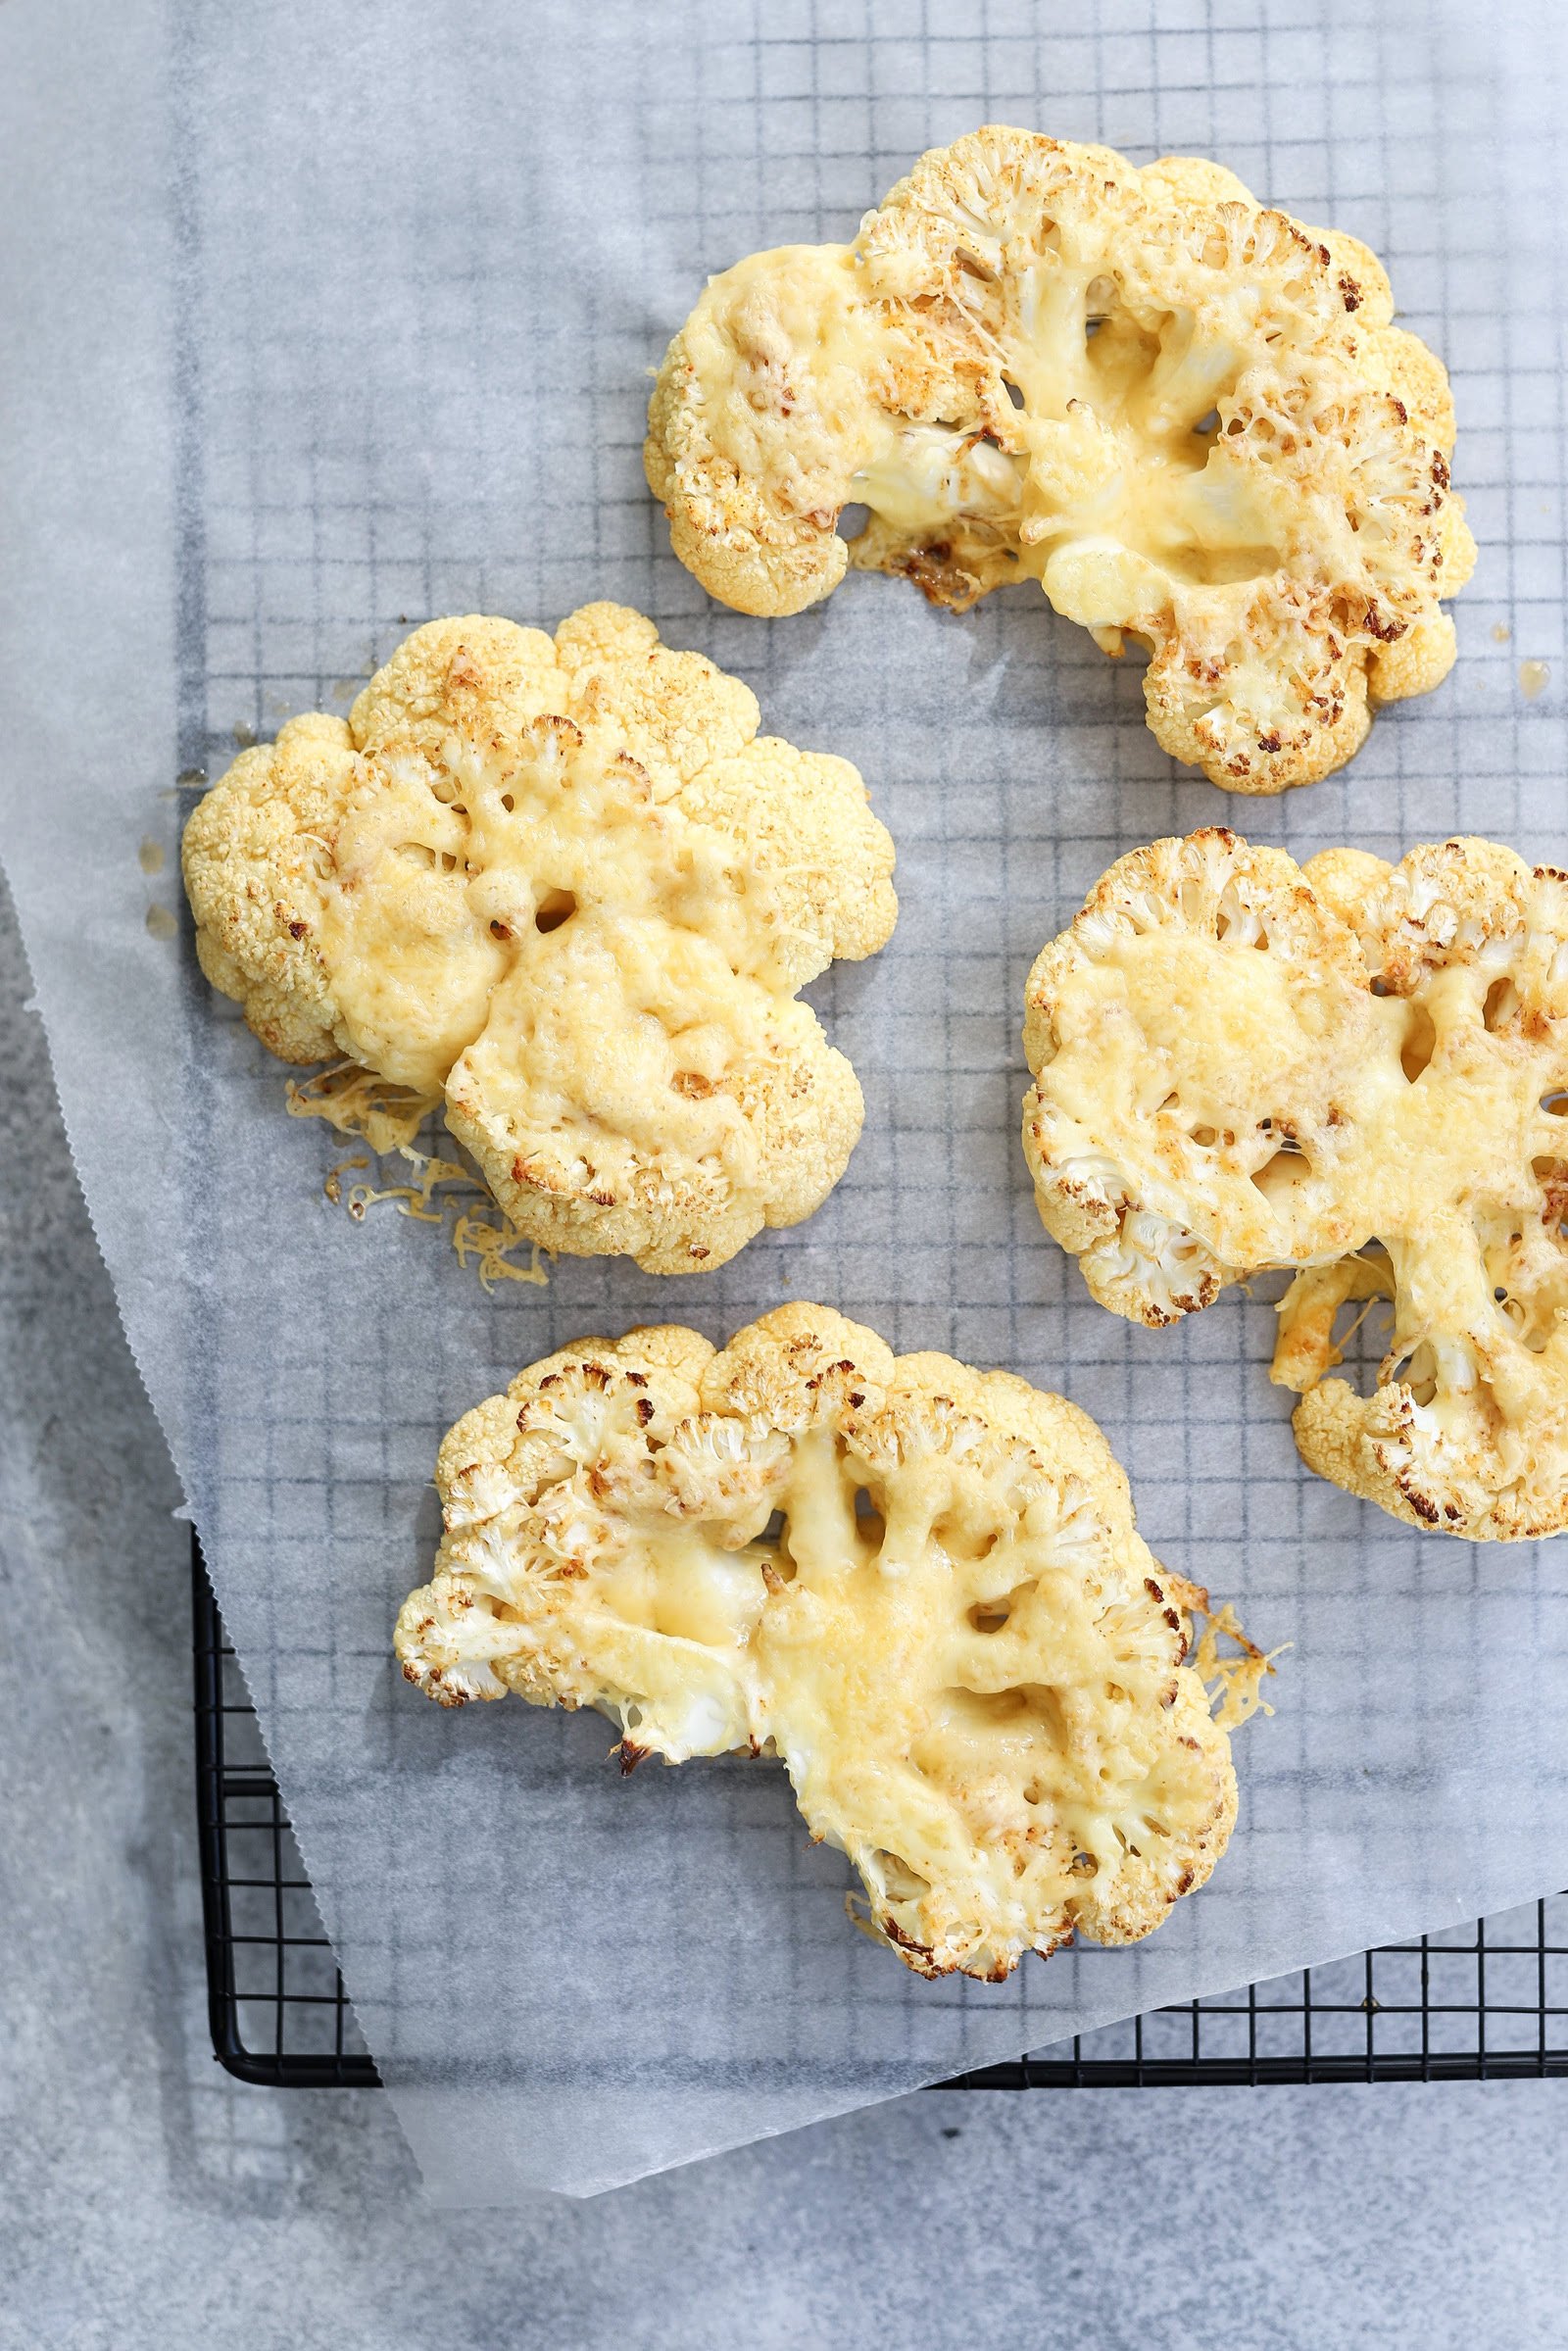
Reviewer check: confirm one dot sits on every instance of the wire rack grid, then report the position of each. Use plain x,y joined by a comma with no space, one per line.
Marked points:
1485,2002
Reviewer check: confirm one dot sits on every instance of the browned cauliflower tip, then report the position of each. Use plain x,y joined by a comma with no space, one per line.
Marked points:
918,1586
565,885
1190,417
1355,1070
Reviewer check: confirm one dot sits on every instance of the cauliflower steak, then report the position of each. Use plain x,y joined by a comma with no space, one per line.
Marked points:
1192,420
920,1585
565,885
1240,1064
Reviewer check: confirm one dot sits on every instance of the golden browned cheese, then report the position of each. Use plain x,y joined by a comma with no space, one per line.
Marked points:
1188,417
564,886
1352,1069
920,1586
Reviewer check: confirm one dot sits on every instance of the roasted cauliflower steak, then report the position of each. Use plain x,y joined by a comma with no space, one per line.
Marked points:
1188,417
918,1586
564,885
1355,1070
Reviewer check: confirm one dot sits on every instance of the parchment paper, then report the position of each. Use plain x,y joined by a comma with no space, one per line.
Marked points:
321,320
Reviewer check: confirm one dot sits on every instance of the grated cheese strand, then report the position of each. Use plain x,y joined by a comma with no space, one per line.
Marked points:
388,1117
1234,1680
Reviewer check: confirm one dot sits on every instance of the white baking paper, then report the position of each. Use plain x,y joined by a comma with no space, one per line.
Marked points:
321,320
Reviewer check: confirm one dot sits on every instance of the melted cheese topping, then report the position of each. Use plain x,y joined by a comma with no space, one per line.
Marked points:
552,907
1113,491
968,1664
967,1709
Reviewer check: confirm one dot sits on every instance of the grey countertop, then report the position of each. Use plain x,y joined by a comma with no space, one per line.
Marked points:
146,2199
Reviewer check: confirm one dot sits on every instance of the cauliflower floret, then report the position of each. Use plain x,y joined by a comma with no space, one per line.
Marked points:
565,885
1241,1064
920,1585
1190,417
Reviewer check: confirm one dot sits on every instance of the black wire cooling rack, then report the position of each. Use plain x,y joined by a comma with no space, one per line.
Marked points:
1483,2002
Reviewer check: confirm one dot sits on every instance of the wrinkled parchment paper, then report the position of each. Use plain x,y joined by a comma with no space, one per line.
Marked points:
321,320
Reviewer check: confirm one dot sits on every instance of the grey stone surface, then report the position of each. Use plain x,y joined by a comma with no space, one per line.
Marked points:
146,2199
